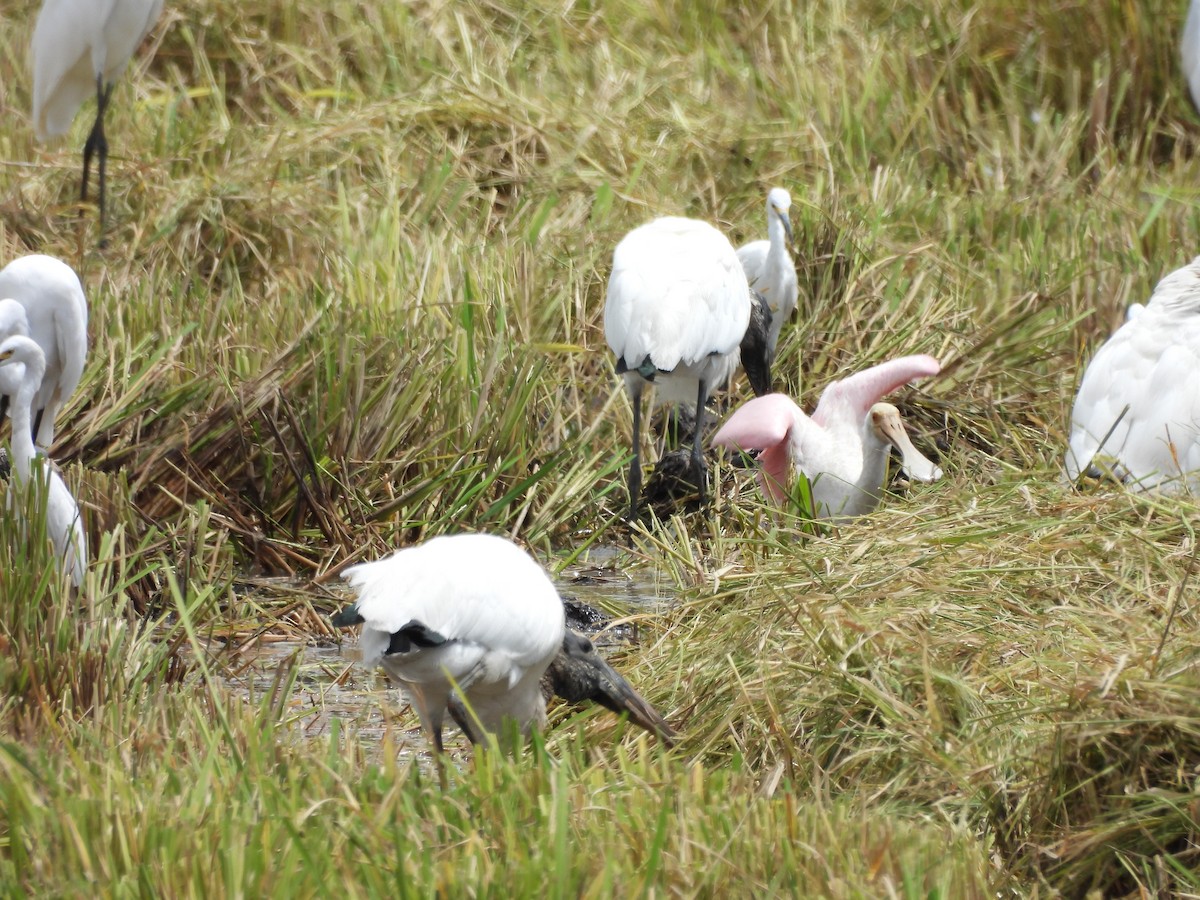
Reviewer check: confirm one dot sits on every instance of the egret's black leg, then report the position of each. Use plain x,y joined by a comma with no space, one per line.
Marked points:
635,470
97,144
697,455
37,423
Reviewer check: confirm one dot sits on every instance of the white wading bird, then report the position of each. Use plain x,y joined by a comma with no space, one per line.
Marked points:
769,267
64,525
1190,51
678,314
843,448
1138,406
80,47
55,315
476,615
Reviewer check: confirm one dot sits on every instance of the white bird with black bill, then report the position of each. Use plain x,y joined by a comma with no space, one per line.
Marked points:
470,624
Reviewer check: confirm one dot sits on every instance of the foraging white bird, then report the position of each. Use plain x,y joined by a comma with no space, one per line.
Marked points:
476,615
678,314
1138,406
843,448
768,264
55,314
64,524
80,47
1190,51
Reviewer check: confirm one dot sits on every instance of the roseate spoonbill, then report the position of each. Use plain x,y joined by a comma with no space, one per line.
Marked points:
476,615
768,264
843,448
81,46
677,314
1138,406
64,525
53,313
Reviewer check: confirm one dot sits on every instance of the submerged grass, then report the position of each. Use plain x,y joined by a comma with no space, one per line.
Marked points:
353,298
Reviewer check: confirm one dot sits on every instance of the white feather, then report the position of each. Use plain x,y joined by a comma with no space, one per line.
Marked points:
678,296
74,43
1190,51
55,316
495,606
768,264
1140,394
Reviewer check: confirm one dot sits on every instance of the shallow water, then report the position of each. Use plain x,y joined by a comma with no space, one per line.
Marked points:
331,684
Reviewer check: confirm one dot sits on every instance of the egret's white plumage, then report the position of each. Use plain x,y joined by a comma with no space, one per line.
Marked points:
471,610
1190,51
80,48
1138,406
768,264
843,447
676,313
64,524
55,315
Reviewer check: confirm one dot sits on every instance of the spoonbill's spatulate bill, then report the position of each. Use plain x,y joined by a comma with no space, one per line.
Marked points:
474,613
81,47
64,525
843,448
769,267
53,312
1137,412
676,315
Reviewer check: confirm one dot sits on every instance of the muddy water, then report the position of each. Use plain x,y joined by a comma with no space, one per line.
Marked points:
332,685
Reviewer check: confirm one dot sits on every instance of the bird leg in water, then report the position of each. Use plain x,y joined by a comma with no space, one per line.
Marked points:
98,144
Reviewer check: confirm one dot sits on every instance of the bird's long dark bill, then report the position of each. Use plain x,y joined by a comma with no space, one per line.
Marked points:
581,676
620,697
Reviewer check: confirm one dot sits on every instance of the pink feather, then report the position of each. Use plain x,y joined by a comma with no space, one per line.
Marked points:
854,395
764,424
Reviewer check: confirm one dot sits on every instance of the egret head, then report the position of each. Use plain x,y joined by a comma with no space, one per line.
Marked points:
889,429
580,674
756,345
24,350
779,203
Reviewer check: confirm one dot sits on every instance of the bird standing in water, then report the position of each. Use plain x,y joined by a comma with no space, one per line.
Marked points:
472,617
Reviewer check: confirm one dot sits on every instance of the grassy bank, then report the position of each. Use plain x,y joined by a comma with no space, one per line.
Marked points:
352,298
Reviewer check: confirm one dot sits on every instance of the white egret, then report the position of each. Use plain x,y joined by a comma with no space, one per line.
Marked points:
1138,406
81,46
769,267
1190,51
677,315
55,314
843,448
64,524
474,613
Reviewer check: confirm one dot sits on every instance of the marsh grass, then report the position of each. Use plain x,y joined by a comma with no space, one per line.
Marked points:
353,298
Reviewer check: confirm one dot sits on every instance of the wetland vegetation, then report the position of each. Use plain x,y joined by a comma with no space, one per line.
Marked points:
352,298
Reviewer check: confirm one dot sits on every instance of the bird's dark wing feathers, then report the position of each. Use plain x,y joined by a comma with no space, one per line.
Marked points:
414,634
347,617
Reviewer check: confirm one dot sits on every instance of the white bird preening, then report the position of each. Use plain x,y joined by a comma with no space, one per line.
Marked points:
80,47
1138,406
64,524
769,267
53,311
843,448
474,614
677,314
1190,51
